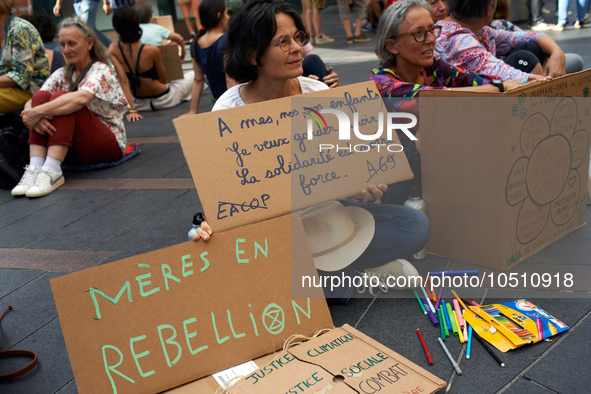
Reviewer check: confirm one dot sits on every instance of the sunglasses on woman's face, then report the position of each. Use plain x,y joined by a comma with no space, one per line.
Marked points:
300,37
420,35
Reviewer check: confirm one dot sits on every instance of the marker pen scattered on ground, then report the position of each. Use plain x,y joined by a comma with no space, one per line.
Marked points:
460,334
459,317
488,349
443,322
439,297
447,321
428,301
454,328
429,358
419,301
469,342
453,362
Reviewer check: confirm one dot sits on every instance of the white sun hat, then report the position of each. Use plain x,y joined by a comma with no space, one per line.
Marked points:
337,235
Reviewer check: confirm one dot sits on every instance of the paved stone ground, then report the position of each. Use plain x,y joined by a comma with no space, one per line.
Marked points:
147,203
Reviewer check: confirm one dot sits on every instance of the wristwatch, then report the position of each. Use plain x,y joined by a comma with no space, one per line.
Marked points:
499,84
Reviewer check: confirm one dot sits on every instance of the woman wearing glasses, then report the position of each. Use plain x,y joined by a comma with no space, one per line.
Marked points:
77,115
265,51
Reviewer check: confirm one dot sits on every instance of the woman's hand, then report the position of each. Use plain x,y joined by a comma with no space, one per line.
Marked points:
332,79
372,193
35,120
537,78
204,232
555,65
133,116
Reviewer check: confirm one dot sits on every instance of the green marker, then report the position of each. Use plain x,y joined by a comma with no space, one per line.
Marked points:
441,322
453,322
445,329
419,301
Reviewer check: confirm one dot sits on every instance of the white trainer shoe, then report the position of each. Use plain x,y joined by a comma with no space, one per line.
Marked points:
398,274
45,182
26,181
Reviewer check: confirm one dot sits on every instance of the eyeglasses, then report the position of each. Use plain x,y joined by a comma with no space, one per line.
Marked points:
300,37
420,35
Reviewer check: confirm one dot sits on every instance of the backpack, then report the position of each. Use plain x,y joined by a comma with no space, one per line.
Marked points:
14,149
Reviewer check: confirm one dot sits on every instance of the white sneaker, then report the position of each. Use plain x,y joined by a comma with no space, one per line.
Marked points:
398,274
324,39
26,181
542,26
45,182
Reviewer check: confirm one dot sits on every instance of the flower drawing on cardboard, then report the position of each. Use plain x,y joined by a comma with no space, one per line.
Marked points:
546,180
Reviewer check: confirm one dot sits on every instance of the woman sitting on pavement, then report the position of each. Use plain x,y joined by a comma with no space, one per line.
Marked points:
468,42
404,43
140,68
265,41
77,116
207,53
23,61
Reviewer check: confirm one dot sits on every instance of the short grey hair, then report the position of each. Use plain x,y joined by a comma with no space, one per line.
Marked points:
389,26
469,10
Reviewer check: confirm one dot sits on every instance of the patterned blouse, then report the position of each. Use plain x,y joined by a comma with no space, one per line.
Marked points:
110,104
23,57
477,53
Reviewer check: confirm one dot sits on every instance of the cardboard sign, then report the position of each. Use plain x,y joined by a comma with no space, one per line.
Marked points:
505,175
172,61
255,162
165,318
164,21
343,360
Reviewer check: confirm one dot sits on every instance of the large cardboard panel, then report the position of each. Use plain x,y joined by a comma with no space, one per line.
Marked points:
255,162
165,318
172,61
505,175
344,360
164,21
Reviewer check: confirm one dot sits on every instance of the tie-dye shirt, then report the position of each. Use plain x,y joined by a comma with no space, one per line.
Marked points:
440,75
23,57
478,52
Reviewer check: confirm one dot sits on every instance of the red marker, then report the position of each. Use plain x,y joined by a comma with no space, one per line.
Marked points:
425,347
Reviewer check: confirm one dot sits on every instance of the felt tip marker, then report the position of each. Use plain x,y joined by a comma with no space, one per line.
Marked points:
453,362
469,342
429,358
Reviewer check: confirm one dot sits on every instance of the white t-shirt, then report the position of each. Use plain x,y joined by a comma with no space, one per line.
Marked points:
153,33
231,98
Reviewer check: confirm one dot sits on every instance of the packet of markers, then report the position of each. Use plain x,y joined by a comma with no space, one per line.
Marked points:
510,325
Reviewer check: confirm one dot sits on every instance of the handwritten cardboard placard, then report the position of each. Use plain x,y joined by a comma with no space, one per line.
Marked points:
165,318
504,183
362,364
255,162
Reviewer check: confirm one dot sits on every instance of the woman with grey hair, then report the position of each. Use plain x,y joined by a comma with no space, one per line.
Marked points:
77,116
468,42
404,43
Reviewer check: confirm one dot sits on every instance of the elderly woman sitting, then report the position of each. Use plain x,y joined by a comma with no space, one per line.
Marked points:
466,41
77,115
404,43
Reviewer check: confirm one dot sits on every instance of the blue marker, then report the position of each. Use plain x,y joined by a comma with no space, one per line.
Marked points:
446,315
469,342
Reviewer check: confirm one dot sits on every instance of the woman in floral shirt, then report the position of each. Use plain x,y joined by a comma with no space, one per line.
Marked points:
80,124
467,42
23,61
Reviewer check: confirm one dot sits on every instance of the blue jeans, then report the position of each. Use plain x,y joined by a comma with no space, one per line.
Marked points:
563,6
87,10
400,232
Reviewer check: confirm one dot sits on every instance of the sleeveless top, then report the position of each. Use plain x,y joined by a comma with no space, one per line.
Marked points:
134,78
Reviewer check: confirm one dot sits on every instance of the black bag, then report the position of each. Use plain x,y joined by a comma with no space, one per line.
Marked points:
14,150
